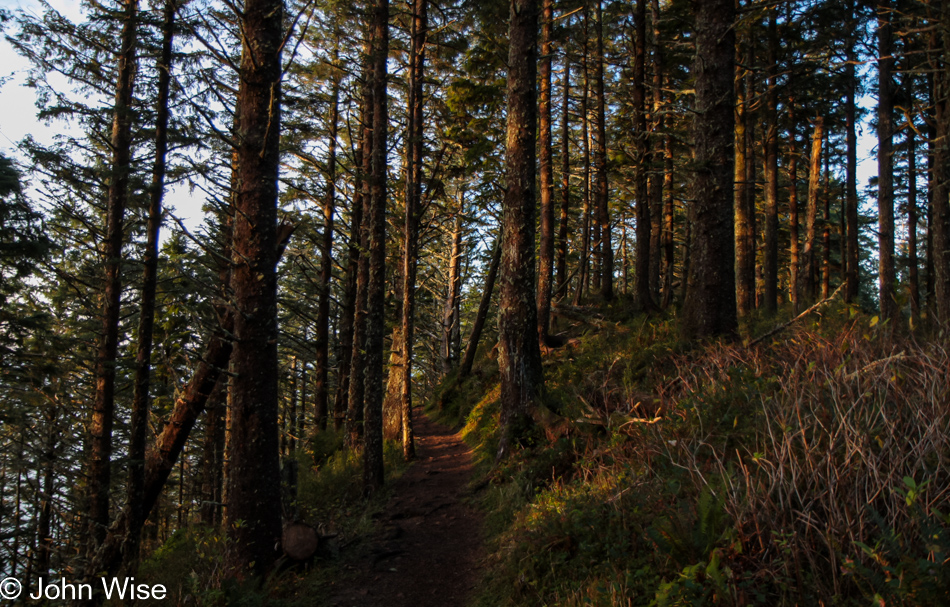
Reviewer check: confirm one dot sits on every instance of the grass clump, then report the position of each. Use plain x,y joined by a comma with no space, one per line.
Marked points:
810,469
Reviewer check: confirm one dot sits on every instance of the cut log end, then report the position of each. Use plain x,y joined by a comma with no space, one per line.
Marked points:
300,541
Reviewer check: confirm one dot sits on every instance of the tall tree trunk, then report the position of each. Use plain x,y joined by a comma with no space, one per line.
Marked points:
213,456
600,166
793,223
826,230
399,390
710,306
770,291
376,247
913,273
341,409
546,166
809,269
322,338
453,286
642,291
940,220
483,305
745,243
103,411
885,165
138,428
44,525
519,357
562,279
254,472
356,380
584,273
851,170
657,178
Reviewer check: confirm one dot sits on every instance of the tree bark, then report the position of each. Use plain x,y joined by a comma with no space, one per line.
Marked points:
885,166
940,220
744,216
519,356
710,305
254,464
601,192
321,391
103,411
376,246
562,280
913,273
546,166
770,270
138,427
585,249
793,223
809,266
453,287
851,169
642,291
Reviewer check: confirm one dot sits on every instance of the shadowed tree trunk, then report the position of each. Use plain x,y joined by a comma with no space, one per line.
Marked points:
453,288
103,411
913,273
562,280
745,233
940,219
851,169
770,270
710,305
793,223
885,165
322,338
138,427
519,356
642,292
606,275
585,248
254,466
376,246
657,178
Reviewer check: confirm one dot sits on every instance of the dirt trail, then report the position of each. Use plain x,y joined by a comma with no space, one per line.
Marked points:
429,548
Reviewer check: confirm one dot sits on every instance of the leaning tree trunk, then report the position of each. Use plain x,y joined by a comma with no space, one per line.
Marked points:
253,512
710,305
103,411
519,356
465,368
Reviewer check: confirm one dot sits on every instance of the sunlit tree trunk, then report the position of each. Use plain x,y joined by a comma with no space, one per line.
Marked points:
546,166
885,165
519,355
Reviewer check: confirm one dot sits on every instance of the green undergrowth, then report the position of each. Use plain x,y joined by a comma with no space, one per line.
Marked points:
810,469
191,564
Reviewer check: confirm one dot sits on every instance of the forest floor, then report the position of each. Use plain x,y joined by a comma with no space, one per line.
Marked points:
429,544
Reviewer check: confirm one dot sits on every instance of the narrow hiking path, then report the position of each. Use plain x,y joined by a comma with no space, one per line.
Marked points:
430,544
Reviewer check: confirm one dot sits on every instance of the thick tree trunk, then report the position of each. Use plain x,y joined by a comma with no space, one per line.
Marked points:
322,338
601,191
546,166
376,247
138,428
710,306
770,270
642,291
103,412
562,279
885,166
519,357
483,305
254,472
